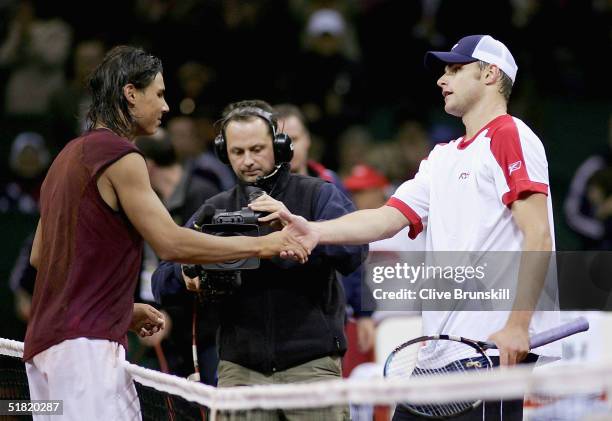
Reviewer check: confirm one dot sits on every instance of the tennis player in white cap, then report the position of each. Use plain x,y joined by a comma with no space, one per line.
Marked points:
486,191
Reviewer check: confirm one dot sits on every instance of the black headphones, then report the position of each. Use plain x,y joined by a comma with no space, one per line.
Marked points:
281,143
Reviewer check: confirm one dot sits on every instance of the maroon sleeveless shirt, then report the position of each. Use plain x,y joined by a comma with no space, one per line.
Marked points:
90,253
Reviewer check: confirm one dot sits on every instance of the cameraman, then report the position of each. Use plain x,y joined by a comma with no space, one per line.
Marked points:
284,324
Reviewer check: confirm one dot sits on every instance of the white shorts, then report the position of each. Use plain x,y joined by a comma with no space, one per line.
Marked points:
88,376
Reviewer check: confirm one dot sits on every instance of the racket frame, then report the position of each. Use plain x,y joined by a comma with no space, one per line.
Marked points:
572,327
478,346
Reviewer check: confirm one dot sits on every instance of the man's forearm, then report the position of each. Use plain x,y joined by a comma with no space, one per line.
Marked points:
360,227
189,246
533,268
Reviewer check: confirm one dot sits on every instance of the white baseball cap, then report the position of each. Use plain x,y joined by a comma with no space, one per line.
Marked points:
477,47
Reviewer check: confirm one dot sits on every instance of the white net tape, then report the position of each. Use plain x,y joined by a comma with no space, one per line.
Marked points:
11,348
504,383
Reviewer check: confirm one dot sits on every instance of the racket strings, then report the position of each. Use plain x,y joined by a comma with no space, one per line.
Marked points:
437,358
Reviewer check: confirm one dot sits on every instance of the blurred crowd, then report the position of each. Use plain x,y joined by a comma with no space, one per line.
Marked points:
353,68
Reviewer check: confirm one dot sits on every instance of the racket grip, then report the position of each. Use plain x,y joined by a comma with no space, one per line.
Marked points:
579,324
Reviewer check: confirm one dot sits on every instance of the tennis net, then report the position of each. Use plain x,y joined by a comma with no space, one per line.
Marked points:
567,392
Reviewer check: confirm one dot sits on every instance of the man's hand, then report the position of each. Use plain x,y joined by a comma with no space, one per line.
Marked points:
300,229
283,243
192,284
266,203
156,339
146,320
513,344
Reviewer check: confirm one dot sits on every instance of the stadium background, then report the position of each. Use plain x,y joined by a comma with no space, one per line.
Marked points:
263,49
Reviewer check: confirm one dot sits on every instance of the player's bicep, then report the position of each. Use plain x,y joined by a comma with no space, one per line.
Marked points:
395,220
130,179
411,199
531,215
412,211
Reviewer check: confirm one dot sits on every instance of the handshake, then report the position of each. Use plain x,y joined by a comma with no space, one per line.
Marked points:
294,240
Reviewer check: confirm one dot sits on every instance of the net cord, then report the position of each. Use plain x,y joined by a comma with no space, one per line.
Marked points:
495,384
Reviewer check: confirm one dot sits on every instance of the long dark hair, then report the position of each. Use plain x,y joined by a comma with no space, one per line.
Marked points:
121,65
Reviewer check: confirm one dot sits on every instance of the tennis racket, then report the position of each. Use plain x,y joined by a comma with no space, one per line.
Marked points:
441,354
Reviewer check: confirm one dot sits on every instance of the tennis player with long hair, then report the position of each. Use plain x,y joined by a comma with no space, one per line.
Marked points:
97,204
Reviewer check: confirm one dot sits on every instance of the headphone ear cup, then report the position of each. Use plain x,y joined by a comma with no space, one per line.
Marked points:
283,148
221,149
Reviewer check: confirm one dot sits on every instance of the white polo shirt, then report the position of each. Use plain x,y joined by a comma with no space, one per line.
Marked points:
462,194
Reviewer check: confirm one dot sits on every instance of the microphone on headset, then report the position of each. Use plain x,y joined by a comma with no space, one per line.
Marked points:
261,178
